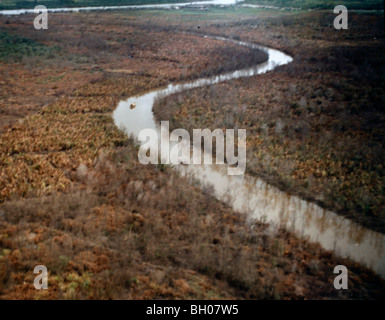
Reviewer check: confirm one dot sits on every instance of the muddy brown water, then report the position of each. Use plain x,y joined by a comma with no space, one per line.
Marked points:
254,197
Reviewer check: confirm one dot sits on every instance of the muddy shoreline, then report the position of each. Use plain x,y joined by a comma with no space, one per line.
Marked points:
325,105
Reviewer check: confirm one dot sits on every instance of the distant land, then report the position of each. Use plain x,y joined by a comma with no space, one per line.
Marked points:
322,4
305,4
28,4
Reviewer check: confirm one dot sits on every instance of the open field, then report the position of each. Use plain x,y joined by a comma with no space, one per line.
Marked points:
75,198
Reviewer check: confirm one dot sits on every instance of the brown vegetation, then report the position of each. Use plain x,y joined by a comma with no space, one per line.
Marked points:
76,199
133,231
86,48
316,126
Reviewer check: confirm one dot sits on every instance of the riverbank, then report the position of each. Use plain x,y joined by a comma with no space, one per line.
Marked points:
314,126
121,230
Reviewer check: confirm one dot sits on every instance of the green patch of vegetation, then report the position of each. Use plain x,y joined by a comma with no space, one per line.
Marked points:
13,48
321,4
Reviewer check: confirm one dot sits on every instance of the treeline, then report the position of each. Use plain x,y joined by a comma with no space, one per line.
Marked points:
29,4
322,4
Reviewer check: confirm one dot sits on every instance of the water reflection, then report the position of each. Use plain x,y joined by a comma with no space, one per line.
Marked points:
142,6
264,202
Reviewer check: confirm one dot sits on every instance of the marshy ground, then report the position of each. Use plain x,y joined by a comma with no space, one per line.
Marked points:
76,199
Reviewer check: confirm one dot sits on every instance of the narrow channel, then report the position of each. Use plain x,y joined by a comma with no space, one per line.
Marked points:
254,197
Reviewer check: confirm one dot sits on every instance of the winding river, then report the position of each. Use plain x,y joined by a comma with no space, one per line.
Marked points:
252,196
